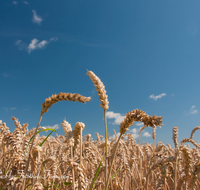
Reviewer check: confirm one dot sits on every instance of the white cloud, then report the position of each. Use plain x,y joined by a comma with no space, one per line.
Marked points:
139,123
35,44
135,136
158,96
135,132
113,136
146,134
15,2
36,19
117,116
192,110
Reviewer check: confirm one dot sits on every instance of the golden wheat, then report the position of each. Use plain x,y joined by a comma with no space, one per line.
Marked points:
67,159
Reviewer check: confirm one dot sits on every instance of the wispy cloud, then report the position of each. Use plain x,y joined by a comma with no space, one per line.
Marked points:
6,75
53,39
21,45
158,96
25,2
65,38
13,108
193,110
36,19
7,109
117,116
15,2
35,44
146,134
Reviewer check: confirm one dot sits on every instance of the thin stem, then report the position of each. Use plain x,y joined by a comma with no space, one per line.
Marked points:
106,147
81,148
175,180
80,185
140,138
112,161
165,188
73,179
147,181
31,149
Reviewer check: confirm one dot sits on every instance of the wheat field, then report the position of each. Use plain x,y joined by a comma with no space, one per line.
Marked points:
72,161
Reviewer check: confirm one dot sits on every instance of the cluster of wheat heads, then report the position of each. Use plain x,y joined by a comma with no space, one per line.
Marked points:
33,162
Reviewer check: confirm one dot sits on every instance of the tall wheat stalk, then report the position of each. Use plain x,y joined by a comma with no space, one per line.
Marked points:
128,121
175,139
104,104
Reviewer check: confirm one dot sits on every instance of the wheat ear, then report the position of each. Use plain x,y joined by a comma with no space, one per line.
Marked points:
193,131
141,132
63,96
191,141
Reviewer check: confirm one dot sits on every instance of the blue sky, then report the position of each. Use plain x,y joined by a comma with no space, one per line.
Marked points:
146,52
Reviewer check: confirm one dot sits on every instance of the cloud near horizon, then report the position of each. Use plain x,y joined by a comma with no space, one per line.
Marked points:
158,96
117,116
146,134
135,133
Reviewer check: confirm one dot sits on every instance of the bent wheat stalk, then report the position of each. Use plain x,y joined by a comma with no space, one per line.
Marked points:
45,107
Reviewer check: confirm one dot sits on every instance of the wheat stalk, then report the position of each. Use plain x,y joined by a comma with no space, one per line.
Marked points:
104,104
47,104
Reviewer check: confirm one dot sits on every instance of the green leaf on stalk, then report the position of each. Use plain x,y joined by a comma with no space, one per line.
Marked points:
113,176
96,174
48,129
